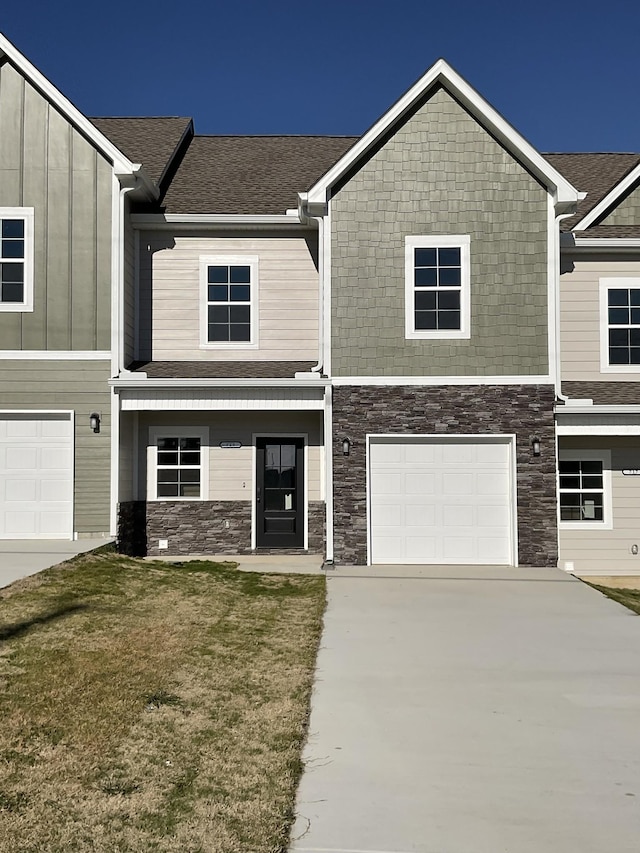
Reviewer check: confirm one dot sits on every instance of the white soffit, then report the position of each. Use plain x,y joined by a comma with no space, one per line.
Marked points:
223,399
442,73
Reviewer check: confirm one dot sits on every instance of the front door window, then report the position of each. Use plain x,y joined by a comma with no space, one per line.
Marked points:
279,497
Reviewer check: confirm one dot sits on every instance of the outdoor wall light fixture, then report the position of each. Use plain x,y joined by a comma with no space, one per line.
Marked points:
346,447
535,446
94,421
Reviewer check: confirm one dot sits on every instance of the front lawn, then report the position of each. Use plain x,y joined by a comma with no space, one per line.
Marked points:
146,706
630,598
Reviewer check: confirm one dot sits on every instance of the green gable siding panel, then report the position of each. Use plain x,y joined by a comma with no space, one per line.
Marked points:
627,212
440,173
81,386
47,165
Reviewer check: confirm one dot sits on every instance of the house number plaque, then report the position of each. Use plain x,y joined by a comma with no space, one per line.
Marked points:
631,472
235,444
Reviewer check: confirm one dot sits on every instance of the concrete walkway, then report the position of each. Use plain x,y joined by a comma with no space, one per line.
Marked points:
20,558
479,710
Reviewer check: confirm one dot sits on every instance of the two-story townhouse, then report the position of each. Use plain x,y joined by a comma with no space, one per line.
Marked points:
598,409
63,197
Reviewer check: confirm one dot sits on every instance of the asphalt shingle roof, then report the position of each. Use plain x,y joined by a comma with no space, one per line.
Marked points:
250,174
595,174
151,141
221,369
604,393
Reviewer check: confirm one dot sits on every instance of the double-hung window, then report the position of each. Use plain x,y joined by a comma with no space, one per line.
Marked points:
584,481
437,299
229,291
178,464
16,259
620,324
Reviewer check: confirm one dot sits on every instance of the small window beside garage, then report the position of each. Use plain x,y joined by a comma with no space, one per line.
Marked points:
177,469
584,489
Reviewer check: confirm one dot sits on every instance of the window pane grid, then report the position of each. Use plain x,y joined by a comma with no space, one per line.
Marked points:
437,288
581,490
229,303
12,259
178,467
623,315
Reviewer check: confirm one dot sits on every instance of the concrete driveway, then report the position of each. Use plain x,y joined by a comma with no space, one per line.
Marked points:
472,710
22,557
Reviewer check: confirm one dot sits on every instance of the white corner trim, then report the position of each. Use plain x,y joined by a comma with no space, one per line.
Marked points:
201,432
120,162
26,214
443,380
607,284
251,261
609,201
458,241
442,72
54,355
607,499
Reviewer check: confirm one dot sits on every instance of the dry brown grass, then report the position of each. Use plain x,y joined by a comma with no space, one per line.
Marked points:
150,707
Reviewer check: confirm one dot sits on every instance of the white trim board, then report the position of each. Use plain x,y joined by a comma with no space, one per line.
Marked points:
442,380
54,355
609,201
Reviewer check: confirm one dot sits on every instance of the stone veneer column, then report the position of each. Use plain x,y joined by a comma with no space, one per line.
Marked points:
526,410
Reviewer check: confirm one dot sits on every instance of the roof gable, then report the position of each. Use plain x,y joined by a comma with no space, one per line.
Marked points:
611,199
121,164
442,74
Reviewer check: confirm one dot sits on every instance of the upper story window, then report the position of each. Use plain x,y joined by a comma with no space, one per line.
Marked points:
16,259
229,292
620,324
437,298
584,488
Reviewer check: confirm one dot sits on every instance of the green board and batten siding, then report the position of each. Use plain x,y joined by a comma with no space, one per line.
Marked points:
440,173
47,165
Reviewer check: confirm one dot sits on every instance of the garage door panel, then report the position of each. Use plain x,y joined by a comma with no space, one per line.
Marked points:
437,501
36,477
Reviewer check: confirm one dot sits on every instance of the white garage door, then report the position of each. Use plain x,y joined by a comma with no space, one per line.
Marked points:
435,501
36,476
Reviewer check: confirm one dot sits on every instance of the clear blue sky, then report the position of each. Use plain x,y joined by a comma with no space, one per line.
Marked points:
566,75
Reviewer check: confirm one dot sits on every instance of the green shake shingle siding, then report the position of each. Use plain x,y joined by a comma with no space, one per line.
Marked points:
440,173
47,165
82,387
627,212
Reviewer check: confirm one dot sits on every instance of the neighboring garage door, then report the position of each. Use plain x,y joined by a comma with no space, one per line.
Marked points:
36,476
437,501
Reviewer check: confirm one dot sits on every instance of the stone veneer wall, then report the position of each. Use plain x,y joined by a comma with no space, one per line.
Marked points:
198,527
526,410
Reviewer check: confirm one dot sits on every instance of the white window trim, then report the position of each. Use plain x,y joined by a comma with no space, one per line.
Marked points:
152,460
607,284
461,241
222,260
603,456
27,215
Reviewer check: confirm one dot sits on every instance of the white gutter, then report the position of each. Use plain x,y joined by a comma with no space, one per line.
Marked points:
556,243
176,221
631,409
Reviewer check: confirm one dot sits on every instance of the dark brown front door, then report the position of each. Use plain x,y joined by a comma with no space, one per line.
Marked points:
280,492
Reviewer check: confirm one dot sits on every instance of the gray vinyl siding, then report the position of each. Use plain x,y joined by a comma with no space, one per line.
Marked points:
80,386
627,212
580,315
47,165
231,471
170,297
440,173
608,551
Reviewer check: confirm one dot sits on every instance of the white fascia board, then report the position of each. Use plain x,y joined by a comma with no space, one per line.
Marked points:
607,243
54,355
121,164
565,195
142,383
174,221
609,200
427,381
598,410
